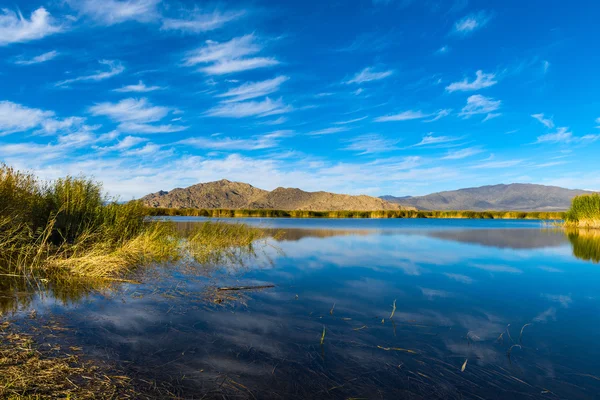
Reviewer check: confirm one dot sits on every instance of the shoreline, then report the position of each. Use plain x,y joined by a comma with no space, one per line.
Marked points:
350,214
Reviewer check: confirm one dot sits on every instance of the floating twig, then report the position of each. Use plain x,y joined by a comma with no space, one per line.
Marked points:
323,336
521,335
462,369
331,311
393,309
246,287
397,349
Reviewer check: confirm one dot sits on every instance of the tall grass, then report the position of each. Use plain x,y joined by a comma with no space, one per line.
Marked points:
584,212
70,225
226,213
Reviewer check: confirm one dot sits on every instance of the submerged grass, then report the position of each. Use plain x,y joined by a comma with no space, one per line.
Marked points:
226,213
69,225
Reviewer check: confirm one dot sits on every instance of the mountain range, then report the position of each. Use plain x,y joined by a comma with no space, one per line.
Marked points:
514,197
236,195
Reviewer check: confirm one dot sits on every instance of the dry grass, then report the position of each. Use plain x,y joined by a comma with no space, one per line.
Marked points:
28,372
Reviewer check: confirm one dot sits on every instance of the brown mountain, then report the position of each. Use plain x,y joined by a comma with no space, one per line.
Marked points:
515,197
235,195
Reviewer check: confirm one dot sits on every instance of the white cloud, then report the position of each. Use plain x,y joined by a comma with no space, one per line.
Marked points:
228,57
136,116
562,135
15,28
110,12
197,21
430,139
369,74
140,87
114,68
233,144
328,131
478,104
131,110
127,143
38,59
133,127
250,109
443,50
462,153
545,66
252,90
18,118
547,122
491,116
351,121
440,114
372,143
471,23
498,164
148,150
481,81
410,115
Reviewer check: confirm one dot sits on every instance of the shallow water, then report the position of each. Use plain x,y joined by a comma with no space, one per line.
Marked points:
463,289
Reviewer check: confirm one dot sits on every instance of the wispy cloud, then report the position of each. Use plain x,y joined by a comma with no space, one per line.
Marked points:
497,164
434,140
233,144
328,131
547,122
252,90
478,104
350,121
111,12
462,153
443,50
410,115
250,109
38,59
564,136
471,23
114,68
481,81
371,143
15,28
18,118
140,87
228,57
197,21
136,116
459,278
369,74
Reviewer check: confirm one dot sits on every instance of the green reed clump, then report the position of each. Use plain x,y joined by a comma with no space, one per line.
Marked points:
584,212
70,225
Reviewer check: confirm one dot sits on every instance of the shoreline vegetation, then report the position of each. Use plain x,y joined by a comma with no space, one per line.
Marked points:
584,212
68,227
265,213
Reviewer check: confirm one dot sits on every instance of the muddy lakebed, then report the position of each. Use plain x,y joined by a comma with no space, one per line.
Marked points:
370,309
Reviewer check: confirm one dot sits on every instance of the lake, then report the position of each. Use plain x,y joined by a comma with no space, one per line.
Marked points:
362,309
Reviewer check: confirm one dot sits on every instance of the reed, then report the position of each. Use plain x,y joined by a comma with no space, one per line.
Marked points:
584,212
262,213
69,225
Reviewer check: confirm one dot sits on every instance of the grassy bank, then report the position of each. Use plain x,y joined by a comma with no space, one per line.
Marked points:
224,213
584,212
69,225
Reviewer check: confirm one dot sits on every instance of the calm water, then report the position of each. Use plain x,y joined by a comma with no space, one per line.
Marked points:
463,290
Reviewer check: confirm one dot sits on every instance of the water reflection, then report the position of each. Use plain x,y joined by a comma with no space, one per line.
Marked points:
586,244
461,294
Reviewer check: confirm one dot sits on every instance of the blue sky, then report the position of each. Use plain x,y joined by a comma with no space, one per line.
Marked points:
376,97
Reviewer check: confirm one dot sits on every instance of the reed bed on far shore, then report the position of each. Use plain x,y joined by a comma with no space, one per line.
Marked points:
227,213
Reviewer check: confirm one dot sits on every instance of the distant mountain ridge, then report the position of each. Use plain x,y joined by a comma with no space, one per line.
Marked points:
237,195
514,197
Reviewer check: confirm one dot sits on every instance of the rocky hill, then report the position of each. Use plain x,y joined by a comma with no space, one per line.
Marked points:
236,195
515,196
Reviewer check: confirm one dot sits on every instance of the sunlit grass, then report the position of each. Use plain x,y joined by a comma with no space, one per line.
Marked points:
584,212
69,225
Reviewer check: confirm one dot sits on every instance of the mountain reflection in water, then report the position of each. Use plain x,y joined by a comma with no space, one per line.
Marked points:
461,290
